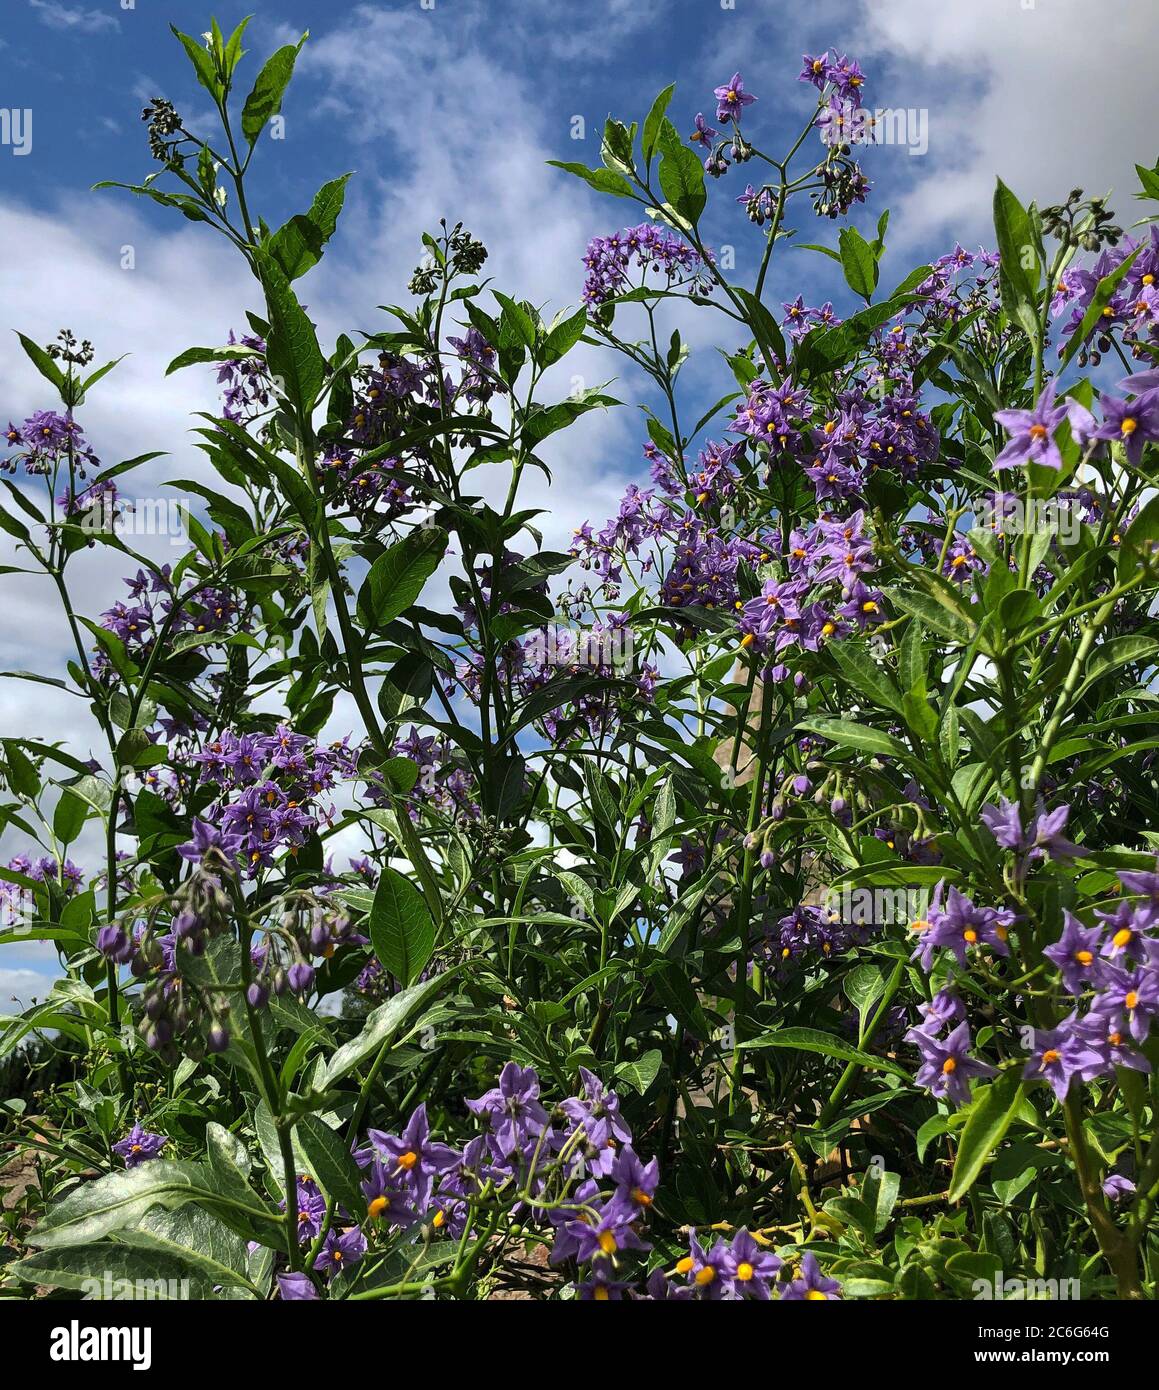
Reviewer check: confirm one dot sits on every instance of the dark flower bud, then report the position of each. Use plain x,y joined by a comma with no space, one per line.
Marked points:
217,1040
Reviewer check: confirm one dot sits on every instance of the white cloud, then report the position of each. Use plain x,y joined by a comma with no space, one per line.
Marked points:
73,18
22,986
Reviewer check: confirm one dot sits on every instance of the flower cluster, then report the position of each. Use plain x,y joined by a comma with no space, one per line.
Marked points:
575,1164
269,787
45,441
739,1269
246,379
1110,969
138,622
609,261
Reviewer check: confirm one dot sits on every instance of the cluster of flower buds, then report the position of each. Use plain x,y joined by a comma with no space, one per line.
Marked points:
164,123
1082,222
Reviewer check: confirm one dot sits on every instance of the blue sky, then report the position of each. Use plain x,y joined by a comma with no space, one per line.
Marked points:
452,109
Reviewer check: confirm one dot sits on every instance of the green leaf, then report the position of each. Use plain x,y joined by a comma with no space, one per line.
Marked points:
402,930
292,352
297,244
192,357
330,1162
44,364
265,101
864,986
93,1268
202,61
848,734
69,817
563,337
603,180
865,676
813,1040
380,1027
858,262
96,1208
681,174
396,579
654,121
616,147
1141,541
640,1073
988,1118
195,1238
1020,269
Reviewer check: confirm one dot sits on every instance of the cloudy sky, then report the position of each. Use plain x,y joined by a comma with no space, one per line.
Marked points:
452,108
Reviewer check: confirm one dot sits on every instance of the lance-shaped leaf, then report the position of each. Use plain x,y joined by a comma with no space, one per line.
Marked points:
402,930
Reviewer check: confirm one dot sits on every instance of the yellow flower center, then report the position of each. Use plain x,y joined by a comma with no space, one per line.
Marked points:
1084,957
1122,937
949,1066
970,935
1129,426
744,1271
408,1160
607,1242
640,1197
377,1207
1132,1000
705,1275
1052,1054
815,1295
685,1265
1038,431
600,1294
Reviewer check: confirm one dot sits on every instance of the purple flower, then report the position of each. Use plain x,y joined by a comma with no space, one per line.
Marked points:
340,1250
814,69
513,1107
707,1271
1132,996
1131,423
139,1145
1032,433
1117,1187
414,1155
947,1069
731,99
812,1285
296,1288
703,134
961,925
1076,953
944,1008
388,1198
1043,837
749,1268
1061,1054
